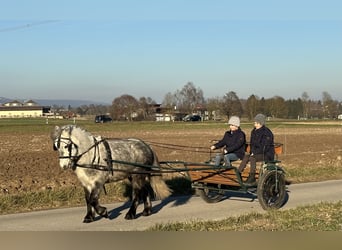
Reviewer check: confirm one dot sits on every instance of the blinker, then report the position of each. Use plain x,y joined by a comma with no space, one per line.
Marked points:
56,145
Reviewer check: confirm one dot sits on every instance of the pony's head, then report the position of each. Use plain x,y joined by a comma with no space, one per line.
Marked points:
64,143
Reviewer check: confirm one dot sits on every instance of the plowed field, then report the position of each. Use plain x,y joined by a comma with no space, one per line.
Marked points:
28,162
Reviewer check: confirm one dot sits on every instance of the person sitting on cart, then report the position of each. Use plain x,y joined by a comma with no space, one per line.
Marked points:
233,142
261,147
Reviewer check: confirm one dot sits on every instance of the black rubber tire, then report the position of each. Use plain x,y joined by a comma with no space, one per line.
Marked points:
210,195
271,193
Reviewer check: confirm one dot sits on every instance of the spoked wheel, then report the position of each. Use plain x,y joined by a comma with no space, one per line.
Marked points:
271,190
210,194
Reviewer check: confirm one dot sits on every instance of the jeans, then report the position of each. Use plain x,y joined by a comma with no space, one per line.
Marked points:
227,159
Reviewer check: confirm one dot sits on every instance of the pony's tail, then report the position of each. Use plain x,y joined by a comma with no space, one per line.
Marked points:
160,188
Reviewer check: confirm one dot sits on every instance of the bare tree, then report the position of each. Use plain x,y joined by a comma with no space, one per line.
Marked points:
214,107
330,107
190,97
185,100
306,104
252,106
146,107
124,107
232,104
277,107
169,101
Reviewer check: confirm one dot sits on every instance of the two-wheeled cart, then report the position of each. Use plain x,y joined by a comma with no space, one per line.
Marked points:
211,182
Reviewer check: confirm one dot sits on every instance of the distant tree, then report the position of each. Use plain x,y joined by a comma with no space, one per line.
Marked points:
316,109
191,97
169,101
124,107
232,104
252,106
82,110
263,107
294,107
330,107
339,109
185,100
214,107
97,109
306,104
277,107
146,107
178,100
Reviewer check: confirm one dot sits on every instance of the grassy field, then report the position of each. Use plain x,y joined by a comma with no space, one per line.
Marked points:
30,178
319,217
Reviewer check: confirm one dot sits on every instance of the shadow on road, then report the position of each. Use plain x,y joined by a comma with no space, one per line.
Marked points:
181,200
116,212
176,200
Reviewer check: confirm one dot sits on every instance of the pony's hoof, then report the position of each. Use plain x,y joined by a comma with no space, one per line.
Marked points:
103,212
105,215
130,216
88,220
147,212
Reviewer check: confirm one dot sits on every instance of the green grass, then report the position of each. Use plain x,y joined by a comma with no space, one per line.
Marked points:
74,196
62,197
41,200
29,125
319,217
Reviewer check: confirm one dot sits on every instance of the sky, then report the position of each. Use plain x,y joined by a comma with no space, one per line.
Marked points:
100,50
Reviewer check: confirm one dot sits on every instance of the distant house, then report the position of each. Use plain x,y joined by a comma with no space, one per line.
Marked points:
17,109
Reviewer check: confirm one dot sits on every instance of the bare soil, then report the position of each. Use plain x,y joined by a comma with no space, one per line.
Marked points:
28,162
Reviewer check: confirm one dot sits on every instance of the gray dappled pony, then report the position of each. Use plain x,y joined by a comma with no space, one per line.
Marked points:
93,161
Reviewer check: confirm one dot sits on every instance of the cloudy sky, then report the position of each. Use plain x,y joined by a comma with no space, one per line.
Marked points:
99,50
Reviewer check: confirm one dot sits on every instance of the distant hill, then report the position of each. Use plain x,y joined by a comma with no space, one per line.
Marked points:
66,103
4,100
57,102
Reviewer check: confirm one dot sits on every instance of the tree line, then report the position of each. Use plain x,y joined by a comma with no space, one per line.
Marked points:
190,100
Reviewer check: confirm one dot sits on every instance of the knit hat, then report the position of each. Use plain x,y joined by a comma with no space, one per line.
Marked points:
234,120
260,118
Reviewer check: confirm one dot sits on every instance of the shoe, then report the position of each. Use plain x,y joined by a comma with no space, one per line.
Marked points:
251,179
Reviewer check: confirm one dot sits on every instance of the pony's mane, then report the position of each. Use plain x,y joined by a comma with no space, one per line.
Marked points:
74,129
70,129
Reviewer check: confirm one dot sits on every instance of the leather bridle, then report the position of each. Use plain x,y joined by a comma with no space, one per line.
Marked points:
75,158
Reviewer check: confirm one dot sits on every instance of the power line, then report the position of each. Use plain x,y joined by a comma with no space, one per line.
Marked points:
28,25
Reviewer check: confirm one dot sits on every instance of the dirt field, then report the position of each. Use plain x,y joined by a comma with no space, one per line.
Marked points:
28,162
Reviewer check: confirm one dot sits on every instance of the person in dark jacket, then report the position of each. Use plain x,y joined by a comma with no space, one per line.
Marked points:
233,142
261,147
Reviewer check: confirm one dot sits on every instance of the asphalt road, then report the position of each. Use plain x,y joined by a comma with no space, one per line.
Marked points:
172,209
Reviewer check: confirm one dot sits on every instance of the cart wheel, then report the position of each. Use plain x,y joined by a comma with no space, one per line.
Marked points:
271,190
210,195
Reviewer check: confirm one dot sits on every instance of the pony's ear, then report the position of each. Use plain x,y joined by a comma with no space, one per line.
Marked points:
56,132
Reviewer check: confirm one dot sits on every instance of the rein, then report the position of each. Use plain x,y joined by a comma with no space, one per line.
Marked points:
179,147
157,170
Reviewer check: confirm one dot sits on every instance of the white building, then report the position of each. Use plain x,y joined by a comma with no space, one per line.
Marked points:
16,109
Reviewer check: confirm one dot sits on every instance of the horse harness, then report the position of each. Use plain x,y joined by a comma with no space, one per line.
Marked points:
95,163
